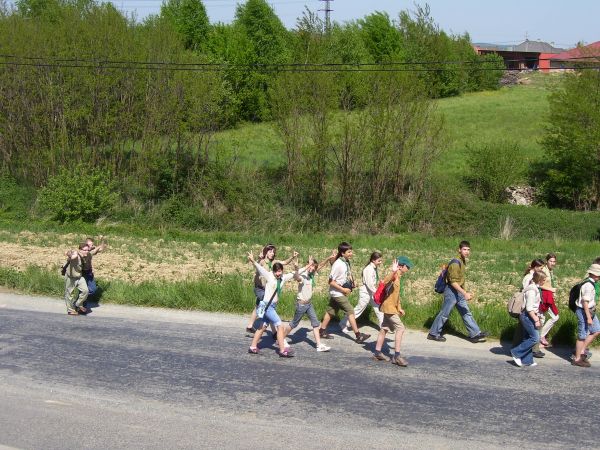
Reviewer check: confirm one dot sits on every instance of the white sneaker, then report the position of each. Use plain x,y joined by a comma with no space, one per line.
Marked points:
323,348
346,330
517,361
533,364
285,344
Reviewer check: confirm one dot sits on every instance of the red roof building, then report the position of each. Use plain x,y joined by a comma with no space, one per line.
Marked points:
576,56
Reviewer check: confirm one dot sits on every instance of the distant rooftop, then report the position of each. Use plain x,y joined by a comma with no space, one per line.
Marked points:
526,46
588,51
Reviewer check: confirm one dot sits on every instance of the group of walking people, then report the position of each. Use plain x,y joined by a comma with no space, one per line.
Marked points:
80,283
538,290
539,314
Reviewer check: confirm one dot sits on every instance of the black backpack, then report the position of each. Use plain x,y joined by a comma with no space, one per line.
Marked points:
574,294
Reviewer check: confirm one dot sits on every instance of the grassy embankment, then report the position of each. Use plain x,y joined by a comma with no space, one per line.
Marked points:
223,282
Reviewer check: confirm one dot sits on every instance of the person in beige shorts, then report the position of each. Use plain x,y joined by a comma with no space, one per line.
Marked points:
392,311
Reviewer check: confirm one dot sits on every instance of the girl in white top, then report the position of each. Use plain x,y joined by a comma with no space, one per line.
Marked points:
523,353
370,279
274,281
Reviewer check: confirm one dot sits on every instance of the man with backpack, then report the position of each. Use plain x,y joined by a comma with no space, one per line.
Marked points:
75,280
456,295
588,326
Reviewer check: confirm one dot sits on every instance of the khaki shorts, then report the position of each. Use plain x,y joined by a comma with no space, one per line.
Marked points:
337,303
392,322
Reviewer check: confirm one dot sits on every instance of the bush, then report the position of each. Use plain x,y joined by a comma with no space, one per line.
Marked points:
494,167
77,195
15,200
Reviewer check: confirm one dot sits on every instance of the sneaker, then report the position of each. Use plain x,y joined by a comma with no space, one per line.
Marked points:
533,364
250,330
399,361
323,334
581,363
323,348
538,354
544,342
285,344
287,353
253,351
479,337
586,355
433,337
346,330
362,337
379,356
516,360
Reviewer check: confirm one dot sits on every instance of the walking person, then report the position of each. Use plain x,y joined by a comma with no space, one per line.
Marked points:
341,284
274,281
535,266
548,305
588,326
87,269
74,280
456,295
522,353
266,259
306,282
392,311
370,281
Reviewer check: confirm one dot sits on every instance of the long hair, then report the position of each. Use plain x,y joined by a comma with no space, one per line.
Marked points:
534,265
374,257
268,247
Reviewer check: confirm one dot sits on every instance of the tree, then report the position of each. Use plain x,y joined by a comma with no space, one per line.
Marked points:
380,36
189,19
261,42
571,177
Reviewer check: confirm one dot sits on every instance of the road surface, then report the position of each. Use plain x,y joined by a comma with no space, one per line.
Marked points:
127,377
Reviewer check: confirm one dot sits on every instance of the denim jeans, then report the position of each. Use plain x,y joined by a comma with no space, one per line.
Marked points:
259,293
91,283
453,298
531,336
583,329
301,310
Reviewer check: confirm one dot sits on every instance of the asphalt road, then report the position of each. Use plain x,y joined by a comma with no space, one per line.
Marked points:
126,377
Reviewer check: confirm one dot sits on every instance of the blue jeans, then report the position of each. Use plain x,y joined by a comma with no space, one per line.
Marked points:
91,283
531,336
583,329
453,298
307,309
271,316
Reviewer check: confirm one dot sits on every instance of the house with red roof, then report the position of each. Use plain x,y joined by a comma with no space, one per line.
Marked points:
588,54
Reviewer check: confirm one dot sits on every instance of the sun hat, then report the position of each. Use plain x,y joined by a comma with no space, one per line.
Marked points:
594,269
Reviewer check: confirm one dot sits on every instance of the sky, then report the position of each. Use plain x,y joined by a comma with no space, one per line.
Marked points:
562,22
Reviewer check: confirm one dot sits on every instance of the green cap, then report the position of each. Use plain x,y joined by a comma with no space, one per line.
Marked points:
403,260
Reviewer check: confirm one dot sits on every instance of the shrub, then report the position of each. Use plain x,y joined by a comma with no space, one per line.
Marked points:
493,167
15,200
77,195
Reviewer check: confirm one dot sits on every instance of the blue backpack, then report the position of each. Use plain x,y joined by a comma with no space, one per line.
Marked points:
441,283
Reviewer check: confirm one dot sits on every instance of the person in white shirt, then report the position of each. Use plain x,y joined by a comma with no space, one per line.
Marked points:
588,326
523,353
370,279
306,282
266,309
341,284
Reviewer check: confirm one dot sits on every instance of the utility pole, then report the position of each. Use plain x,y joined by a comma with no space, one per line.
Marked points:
327,14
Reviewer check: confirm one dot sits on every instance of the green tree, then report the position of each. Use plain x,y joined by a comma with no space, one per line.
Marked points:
261,42
189,19
380,36
571,176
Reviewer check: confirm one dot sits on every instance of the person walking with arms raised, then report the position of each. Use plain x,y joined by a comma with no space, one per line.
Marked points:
392,311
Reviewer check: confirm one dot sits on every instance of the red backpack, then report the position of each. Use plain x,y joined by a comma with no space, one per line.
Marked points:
383,291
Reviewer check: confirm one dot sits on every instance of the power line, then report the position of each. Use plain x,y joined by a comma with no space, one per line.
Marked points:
221,66
296,69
